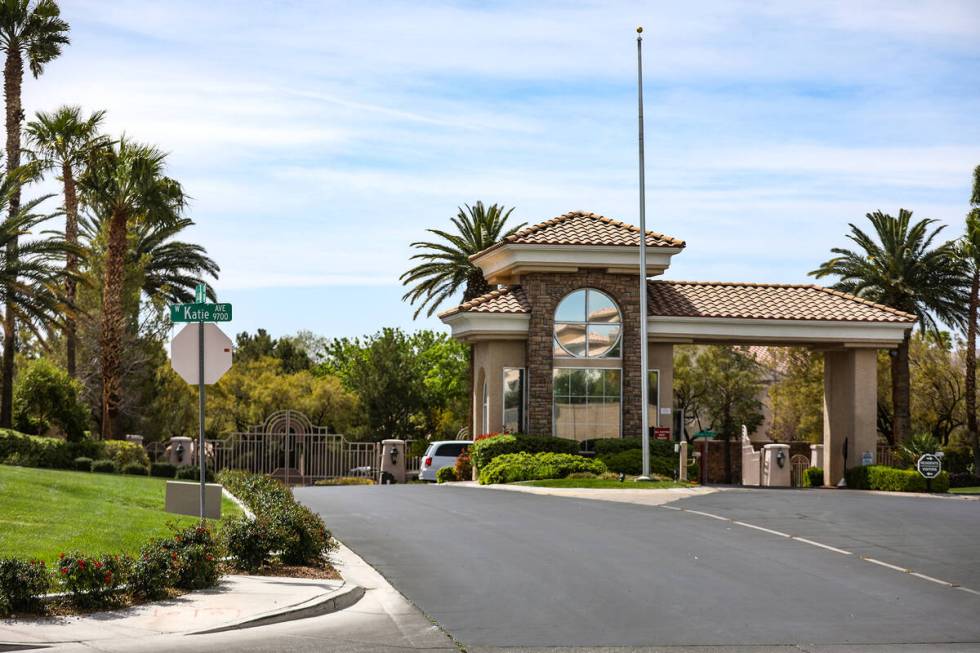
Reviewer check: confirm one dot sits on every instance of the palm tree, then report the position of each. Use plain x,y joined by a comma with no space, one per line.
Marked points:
172,269
32,29
447,266
125,186
970,250
63,141
901,268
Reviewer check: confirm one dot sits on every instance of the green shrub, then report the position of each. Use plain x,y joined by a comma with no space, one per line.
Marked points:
46,398
813,477
83,464
345,480
958,460
463,466
151,573
964,480
105,466
446,475
889,479
89,581
582,475
124,452
485,450
22,585
135,469
630,462
193,473
604,446
193,557
163,470
693,472
513,467
250,542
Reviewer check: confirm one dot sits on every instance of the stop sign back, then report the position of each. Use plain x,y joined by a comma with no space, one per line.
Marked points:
217,353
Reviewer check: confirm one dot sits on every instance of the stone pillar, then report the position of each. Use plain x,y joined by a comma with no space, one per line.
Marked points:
776,468
181,451
850,408
682,462
393,462
816,455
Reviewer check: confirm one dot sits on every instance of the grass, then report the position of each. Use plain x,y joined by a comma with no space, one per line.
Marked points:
965,490
44,512
604,484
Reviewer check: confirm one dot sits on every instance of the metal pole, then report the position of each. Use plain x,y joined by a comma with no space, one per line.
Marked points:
200,417
644,372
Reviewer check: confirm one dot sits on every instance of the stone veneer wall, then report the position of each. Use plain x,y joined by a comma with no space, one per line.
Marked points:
544,291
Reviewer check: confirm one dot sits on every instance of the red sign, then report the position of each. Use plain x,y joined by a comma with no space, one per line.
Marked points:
661,433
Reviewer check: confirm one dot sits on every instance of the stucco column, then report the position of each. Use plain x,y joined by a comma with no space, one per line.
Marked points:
850,406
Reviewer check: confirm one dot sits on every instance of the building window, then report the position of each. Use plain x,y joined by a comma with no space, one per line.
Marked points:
515,400
587,403
653,400
486,409
587,325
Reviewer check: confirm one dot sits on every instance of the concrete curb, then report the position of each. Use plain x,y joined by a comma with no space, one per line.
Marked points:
340,599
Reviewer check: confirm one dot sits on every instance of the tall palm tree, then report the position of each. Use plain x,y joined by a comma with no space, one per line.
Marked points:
447,267
63,141
970,250
900,267
172,269
31,29
125,186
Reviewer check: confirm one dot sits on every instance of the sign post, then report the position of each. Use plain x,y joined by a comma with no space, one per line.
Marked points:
929,466
211,362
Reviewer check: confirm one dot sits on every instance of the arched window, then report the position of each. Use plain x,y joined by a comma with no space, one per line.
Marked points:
588,324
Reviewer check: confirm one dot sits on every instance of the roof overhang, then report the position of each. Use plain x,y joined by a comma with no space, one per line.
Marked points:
472,326
506,264
814,333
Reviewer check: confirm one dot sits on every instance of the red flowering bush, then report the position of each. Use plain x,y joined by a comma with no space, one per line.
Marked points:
463,466
151,573
22,584
193,557
90,581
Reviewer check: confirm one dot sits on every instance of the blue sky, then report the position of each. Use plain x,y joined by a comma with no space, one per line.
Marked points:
319,139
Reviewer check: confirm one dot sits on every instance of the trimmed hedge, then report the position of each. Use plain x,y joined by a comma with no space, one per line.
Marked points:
163,470
446,475
295,531
55,453
105,466
889,479
813,477
83,464
631,462
135,469
124,452
22,584
606,446
482,452
193,473
964,480
523,466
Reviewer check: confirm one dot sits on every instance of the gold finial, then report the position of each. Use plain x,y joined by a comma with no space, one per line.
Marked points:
639,30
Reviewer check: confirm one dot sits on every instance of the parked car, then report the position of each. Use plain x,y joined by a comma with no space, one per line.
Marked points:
440,454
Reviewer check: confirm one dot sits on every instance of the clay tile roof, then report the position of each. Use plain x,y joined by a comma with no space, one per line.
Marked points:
580,228
765,301
505,300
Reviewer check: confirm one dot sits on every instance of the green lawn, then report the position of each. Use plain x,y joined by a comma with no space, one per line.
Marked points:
44,512
965,490
604,483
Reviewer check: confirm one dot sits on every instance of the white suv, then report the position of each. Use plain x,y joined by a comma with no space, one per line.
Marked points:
440,454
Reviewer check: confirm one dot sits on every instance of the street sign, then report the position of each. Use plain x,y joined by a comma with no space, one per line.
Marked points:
707,435
217,353
200,312
929,465
867,458
201,293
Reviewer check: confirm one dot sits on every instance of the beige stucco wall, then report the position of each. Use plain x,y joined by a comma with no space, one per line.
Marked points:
489,360
661,357
850,410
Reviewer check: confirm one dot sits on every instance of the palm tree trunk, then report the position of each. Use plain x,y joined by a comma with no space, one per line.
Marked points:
71,266
110,341
971,371
13,75
900,391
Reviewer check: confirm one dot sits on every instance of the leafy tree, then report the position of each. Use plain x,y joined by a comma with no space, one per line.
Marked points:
970,252
46,399
33,30
727,382
797,397
899,266
688,390
446,266
938,392
291,352
124,186
63,141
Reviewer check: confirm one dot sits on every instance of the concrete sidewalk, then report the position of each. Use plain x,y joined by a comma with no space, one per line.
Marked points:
238,602
652,497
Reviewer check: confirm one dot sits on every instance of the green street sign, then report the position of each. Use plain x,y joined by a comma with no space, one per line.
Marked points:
200,312
200,293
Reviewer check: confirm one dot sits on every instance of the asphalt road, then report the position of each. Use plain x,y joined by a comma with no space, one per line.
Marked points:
507,569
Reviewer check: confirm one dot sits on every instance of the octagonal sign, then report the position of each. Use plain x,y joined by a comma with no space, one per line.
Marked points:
217,353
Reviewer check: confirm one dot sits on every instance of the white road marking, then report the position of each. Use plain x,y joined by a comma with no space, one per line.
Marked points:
797,538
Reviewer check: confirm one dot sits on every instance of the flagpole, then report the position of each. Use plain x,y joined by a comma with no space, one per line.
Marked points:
644,373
